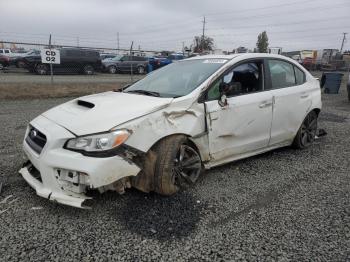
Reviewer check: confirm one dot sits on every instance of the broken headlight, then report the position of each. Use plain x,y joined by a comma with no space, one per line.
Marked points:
99,142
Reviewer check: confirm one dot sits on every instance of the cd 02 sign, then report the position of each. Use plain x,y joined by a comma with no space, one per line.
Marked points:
50,56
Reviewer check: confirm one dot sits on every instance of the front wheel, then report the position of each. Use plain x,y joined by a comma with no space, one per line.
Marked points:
307,132
178,163
112,69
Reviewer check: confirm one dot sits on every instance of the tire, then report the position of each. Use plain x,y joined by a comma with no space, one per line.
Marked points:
112,70
88,70
141,70
307,131
41,69
178,164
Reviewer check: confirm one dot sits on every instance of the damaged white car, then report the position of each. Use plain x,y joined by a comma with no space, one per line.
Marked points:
159,133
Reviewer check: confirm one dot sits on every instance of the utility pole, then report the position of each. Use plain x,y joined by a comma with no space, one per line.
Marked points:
342,43
118,43
203,33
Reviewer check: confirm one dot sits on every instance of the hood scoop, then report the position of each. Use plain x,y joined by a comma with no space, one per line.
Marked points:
85,104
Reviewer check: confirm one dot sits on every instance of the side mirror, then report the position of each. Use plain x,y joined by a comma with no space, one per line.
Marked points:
224,89
228,89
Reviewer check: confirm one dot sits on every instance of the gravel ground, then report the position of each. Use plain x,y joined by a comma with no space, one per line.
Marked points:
283,205
23,76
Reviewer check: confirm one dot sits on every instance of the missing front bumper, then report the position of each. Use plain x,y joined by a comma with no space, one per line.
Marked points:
75,200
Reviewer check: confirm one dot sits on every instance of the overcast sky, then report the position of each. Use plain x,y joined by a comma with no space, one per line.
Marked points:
165,25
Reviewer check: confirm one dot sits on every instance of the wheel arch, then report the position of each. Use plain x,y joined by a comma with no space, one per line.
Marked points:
191,141
316,110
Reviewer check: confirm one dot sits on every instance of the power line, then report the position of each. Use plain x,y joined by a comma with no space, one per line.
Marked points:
286,23
279,13
261,8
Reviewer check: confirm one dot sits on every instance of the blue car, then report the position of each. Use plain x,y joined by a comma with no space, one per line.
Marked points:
159,61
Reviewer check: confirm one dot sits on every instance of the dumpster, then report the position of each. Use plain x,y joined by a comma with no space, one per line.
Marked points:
331,82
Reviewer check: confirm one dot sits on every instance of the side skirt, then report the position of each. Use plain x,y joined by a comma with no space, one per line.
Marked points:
214,163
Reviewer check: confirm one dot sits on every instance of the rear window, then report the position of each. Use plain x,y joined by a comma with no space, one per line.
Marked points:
299,76
282,74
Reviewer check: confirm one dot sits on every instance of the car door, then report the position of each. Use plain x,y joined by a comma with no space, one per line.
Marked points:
124,64
291,97
243,124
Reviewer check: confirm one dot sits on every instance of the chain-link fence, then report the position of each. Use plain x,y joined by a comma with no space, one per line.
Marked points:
71,68
30,69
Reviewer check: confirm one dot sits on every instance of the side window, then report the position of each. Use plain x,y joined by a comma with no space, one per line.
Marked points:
1,51
243,79
282,74
7,51
299,76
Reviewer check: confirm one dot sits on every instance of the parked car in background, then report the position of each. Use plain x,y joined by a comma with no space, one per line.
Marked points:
110,64
10,53
174,57
4,61
158,61
73,60
126,63
18,60
107,55
160,133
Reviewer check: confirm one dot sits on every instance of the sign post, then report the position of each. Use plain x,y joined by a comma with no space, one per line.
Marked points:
50,56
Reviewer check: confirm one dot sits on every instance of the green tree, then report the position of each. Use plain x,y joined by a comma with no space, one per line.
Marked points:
201,44
263,43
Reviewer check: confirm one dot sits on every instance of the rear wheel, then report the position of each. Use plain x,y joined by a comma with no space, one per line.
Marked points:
112,69
307,132
41,69
88,70
141,70
178,164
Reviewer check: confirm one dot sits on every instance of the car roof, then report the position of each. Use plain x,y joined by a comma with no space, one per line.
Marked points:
241,55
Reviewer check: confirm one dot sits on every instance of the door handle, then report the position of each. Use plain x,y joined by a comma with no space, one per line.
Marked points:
304,95
265,104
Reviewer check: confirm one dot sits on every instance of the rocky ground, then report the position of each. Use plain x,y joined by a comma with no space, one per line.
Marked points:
283,205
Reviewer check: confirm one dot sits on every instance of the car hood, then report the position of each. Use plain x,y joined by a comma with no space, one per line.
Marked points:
101,112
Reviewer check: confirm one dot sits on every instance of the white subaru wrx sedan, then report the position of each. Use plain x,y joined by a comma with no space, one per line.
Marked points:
159,133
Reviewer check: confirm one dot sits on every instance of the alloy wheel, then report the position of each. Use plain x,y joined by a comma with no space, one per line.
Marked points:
187,165
308,130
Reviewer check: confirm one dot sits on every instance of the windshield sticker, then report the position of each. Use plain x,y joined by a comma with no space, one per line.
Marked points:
215,61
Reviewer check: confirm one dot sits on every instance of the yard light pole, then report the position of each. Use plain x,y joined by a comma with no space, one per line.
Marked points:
342,43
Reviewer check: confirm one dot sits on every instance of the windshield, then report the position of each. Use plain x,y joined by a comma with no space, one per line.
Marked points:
116,58
177,79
